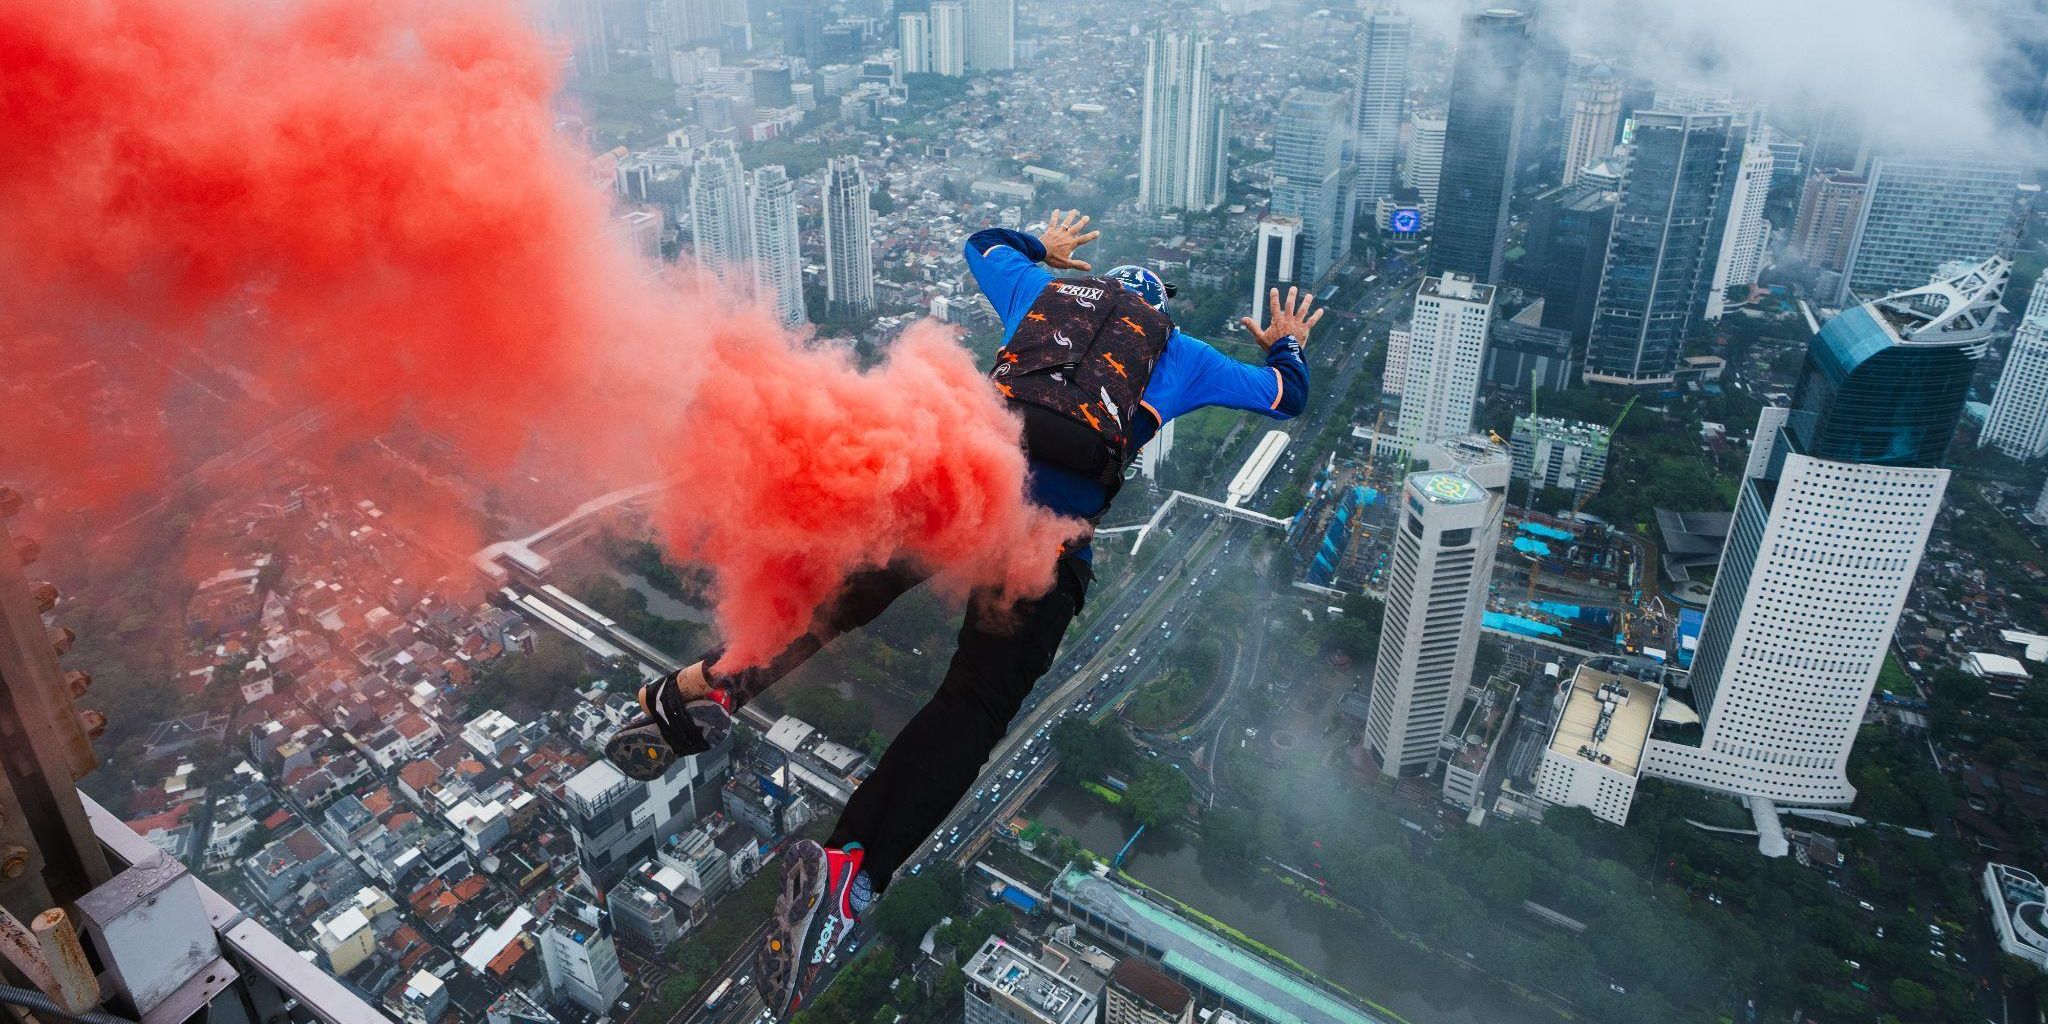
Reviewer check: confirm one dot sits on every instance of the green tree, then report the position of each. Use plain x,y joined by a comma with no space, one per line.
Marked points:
1230,834
910,907
1088,751
1911,996
841,718
1159,794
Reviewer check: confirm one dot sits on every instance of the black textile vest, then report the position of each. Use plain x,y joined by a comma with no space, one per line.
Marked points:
1076,369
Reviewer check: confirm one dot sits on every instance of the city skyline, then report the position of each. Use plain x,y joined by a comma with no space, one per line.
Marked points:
1660,503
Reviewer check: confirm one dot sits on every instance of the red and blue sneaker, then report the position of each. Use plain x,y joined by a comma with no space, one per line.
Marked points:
823,894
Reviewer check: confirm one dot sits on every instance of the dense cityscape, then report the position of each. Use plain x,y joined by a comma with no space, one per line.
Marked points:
1639,623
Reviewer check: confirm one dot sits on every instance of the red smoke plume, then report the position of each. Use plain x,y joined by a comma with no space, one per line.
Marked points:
208,205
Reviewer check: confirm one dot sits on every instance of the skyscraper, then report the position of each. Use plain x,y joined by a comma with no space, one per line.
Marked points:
719,224
949,38
583,22
1436,589
1308,178
991,35
1746,237
1568,244
849,242
1380,103
1424,167
778,263
1180,138
1594,120
914,42
1275,258
1482,129
2018,422
1829,207
803,27
1840,493
1446,350
1924,211
1660,256
581,958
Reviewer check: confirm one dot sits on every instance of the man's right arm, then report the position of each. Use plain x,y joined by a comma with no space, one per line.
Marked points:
1005,266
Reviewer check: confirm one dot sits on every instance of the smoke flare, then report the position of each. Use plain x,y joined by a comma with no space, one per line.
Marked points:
365,203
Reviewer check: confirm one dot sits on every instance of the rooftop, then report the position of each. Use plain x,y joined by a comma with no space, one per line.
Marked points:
1193,953
1008,972
1609,714
1149,983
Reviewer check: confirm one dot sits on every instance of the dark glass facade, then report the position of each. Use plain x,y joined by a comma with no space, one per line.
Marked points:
1480,135
1666,238
1568,245
1864,397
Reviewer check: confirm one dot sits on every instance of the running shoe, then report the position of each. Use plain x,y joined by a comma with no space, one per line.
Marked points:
813,914
669,727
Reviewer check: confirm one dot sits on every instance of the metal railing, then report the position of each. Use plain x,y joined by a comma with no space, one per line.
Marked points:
257,978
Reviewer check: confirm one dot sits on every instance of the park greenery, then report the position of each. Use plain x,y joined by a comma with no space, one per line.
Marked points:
628,607
842,718
1180,692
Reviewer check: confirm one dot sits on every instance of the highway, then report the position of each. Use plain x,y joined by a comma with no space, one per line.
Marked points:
1108,653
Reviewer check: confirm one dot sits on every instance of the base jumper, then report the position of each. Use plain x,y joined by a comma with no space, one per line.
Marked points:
1095,367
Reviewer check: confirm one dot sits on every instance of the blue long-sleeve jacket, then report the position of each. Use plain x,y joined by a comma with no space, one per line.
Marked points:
1190,374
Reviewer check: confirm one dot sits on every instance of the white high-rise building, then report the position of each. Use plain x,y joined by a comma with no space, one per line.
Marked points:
718,210
1446,350
1746,238
581,958
2018,423
1380,103
1436,590
991,35
914,42
1180,135
778,263
1275,259
1921,212
1595,754
1425,164
1152,458
849,238
949,38
1593,120
1836,504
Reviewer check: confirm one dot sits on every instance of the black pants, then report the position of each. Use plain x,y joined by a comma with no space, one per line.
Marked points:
941,750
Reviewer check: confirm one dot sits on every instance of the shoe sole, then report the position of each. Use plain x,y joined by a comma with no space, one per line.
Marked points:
782,955
640,752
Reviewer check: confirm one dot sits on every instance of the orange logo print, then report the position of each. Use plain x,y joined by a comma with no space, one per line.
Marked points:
1093,422
1040,317
1133,325
1114,365
1008,391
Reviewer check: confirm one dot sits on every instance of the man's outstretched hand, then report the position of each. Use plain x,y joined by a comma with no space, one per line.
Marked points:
1289,319
1062,236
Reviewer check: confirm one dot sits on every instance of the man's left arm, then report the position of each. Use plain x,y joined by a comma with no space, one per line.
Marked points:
1279,388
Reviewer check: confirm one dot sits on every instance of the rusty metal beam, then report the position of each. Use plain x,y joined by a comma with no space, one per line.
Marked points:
48,855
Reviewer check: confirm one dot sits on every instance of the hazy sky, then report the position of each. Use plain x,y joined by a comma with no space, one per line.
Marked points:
1921,68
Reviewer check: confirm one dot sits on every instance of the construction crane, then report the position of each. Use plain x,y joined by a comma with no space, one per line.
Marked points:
1372,452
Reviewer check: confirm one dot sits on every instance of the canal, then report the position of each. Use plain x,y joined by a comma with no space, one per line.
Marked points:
1356,954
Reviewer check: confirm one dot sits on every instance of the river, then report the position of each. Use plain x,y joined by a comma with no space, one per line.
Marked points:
1357,955
659,602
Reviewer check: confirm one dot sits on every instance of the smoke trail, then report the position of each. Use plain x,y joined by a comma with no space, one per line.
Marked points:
215,204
